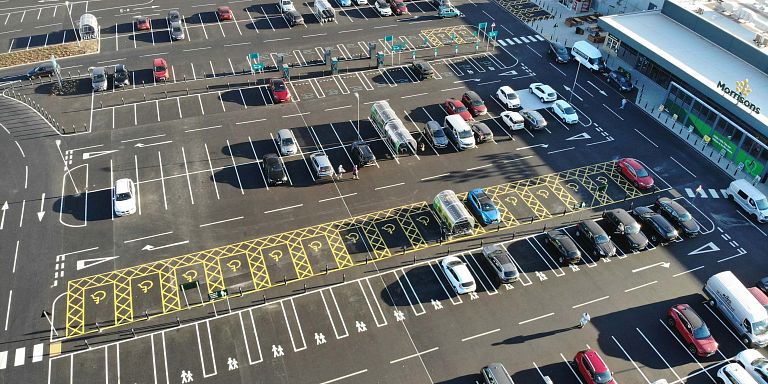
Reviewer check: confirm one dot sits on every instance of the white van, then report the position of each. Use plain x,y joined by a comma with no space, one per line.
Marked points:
739,307
752,200
587,55
99,79
459,131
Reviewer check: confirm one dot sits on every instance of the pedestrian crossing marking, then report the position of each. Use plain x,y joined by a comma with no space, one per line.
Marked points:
524,39
521,40
19,357
37,353
713,193
503,44
3,359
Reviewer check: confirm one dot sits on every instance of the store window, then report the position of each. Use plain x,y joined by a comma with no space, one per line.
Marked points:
612,43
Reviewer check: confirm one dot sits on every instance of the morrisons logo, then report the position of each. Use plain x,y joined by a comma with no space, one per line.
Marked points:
740,93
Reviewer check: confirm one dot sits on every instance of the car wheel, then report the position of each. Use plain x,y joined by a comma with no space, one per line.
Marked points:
562,260
670,321
746,340
653,238
712,303
692,349
564,121
542,99
720,381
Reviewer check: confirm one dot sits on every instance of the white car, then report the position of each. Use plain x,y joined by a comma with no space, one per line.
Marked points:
565,112
458,275
755,363
361,2
544,92
287,142
508,97
734,373
513,120
123,197
382,7
286,6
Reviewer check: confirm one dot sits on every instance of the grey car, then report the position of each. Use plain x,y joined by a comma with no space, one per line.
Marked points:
621,222
482,132
177,32
501,263
595,236
294,18
533,119
423,69
174,15
435,132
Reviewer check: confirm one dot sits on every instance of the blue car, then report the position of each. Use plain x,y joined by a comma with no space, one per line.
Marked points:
483,206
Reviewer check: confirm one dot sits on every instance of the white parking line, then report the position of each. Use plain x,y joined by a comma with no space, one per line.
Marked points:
481,334
630,359
344,377
337,197
536,318
590,302
210,167
220,221
641,286
646,137
682,166
162,180
659,354
148,237
388,186
284,208
414,355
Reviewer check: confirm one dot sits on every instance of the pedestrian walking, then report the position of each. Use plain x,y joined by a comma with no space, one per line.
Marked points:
355,176
340,172
623,103
584,320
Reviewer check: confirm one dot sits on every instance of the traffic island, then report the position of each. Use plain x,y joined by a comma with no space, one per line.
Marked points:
36,55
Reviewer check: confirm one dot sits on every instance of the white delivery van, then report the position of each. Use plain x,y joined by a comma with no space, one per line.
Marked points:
587,55
752,200
739,307
459,131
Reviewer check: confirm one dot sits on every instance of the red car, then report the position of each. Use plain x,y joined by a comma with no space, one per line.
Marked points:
160,69
695,333
456,107
142,23
279,90
592,368
635,173
475,103
224,13
398,7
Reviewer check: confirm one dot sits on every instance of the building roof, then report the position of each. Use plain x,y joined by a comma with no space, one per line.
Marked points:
697,60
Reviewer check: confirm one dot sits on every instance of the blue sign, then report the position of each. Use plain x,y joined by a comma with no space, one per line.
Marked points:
253,56
257,66
389,38
493,34
482,25
397,47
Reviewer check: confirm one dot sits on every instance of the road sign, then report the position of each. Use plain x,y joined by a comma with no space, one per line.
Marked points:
397,47
253,56
257,66
482,25
389,38
493,34
218,294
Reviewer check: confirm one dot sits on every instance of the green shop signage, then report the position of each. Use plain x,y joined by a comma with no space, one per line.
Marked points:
740,94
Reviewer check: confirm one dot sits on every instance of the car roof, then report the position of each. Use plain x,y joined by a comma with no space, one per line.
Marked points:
533,113
662,222
122,185
622,215
593,226
506,89
454,101
642,211
158,61
285,132
690,315
504,258
632,162
759,295
562,103
472,95
321,158
672,204
596,361
481,126
557,45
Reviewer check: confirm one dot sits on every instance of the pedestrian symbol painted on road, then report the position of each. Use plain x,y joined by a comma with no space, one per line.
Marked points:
399,315
232,363
437,304
473,296
360,326
186,377
541,275
319,338
277,350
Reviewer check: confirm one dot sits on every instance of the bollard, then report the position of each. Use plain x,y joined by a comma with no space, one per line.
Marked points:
498,227
326,269
265,298
85,127
240,289
414,258
228,85
86,344
305,288
145,97
133,332
207,88
403,251
123,100
545,228
187,91
146,314
285,280
532,218
366,259
166,94
98,326
343,277
565,210
73,128
101,104
178,321
185,78
78,72
481,242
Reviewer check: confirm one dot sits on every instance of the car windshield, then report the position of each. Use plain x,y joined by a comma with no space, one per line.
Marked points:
762,204
569,110
176,29
562,51
466,134
509,274
477,103
454,263
601,239
684,216
551,94
672,234
485,203
632,228
287,142
438,133
641,172
274,166
159,68
467,284
512,96
760,327
461,109
278,86
701,333
759,363
123,196
98,77
603,377
325,169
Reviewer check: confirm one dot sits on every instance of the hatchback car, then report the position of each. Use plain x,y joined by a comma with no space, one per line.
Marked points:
621,222
559,52
382,7
398,7
635,172
160,69
513,120
544,92
619,80
533,119
362,154
273,170
177,31
458,275
482,132
595,236
224,13
321,164
436,135
45,69
287,142
446,11
280,92
592,368
456,107
501,262
293,17
474,103
122,76
423,69
482,206
142,23
678,215
734,373
174,15
568,251
661,229
123,197
99,78
565,112
692,329
508,97
755,364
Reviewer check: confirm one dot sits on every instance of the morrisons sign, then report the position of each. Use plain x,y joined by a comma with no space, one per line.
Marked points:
740,93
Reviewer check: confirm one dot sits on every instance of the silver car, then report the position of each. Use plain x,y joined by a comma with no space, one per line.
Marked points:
501,263
435,132
177,32
321,164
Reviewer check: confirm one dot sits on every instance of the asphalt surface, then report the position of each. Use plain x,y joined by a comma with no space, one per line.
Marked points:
340,279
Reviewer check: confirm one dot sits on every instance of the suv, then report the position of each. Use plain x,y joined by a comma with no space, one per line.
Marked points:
273,170
678,215
177,32
597,238
533,119
734,373
423,69
501,263
662,229
435,132
482,132
619,80
362,154
620,222
567,249
293,17
691,327
559,52
474,103
592,368
321,165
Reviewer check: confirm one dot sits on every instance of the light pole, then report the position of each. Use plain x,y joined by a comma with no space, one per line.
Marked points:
488,39
74,30
357,96
574,80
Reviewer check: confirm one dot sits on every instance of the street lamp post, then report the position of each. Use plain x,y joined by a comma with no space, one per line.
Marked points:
74,30
357,96
574,81
488,39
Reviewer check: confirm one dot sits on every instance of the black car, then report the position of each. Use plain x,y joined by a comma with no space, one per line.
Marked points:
620,80
273,170
482,132
423,69
533,119
569,252
45,69
620,222
661,229
559,52
122,76
294,18
763,285
675,212
601,243
362,154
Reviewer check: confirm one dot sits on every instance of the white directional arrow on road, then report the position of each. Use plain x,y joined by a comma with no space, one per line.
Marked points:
42,212
567,88
82,264
534,146
2,220
153,144
598,89
706,248
662,264
150,247
580,136
508,73
91,155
